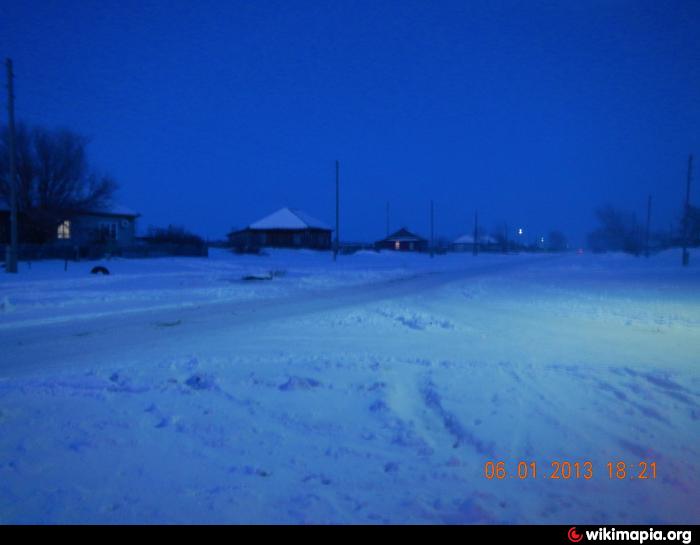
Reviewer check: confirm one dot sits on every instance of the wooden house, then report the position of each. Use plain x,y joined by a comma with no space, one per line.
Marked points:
111,224
403,240
285,228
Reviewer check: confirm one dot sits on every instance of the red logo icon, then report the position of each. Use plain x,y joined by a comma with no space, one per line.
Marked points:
573,535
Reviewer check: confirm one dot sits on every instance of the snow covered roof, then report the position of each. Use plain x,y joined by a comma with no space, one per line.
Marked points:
288,218
469,239
112,209
115,209
403,235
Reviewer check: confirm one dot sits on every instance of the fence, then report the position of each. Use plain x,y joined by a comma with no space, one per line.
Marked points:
35,252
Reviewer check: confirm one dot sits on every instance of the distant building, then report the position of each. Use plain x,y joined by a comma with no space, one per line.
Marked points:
465,243
113,224
404,241
286,228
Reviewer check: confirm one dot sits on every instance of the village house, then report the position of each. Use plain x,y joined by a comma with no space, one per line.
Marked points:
465,243
112,225
404,241
285,228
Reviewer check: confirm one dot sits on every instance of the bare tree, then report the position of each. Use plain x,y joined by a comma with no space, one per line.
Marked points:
617,231
54,179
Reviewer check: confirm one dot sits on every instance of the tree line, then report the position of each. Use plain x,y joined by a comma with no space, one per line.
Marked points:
620,230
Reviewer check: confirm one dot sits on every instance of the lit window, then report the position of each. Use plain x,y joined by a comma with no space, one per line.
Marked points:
64,230
397,245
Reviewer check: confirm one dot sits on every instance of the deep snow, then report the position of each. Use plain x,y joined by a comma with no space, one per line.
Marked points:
373,389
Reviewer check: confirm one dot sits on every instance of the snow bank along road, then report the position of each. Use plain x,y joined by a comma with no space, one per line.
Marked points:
376,391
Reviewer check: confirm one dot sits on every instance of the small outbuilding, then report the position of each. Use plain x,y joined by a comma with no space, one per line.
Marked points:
285,228
465,243
403,241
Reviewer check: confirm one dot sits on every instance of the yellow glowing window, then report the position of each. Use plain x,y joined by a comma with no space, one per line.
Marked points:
397,245
64,230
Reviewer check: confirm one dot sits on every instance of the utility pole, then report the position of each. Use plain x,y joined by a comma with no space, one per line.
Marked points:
686,215
387,218
475,246
646,244
11,255
432,232
337,210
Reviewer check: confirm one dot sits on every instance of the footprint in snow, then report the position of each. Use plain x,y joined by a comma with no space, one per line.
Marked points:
249,470
299,383
322,478
391,467
378,407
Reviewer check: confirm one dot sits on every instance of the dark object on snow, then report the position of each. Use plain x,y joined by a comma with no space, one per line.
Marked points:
258,277
169,324
200,382
265,276
99,270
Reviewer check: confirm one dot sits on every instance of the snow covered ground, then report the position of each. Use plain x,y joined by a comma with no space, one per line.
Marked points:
370,390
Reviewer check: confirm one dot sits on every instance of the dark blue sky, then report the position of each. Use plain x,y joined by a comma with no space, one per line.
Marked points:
212,114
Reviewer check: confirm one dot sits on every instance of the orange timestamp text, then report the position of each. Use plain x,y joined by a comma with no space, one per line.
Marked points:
568,470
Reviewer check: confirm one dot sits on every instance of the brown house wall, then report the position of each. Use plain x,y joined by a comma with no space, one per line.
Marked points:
317,239
404,245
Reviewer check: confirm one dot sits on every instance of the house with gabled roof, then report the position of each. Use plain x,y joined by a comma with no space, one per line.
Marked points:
403,240
465,243
285,228
111,224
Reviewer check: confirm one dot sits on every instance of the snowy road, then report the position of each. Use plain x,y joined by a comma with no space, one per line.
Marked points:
375,393
111,336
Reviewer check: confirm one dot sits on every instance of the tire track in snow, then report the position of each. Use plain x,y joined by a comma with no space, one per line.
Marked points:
433,401
131,336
